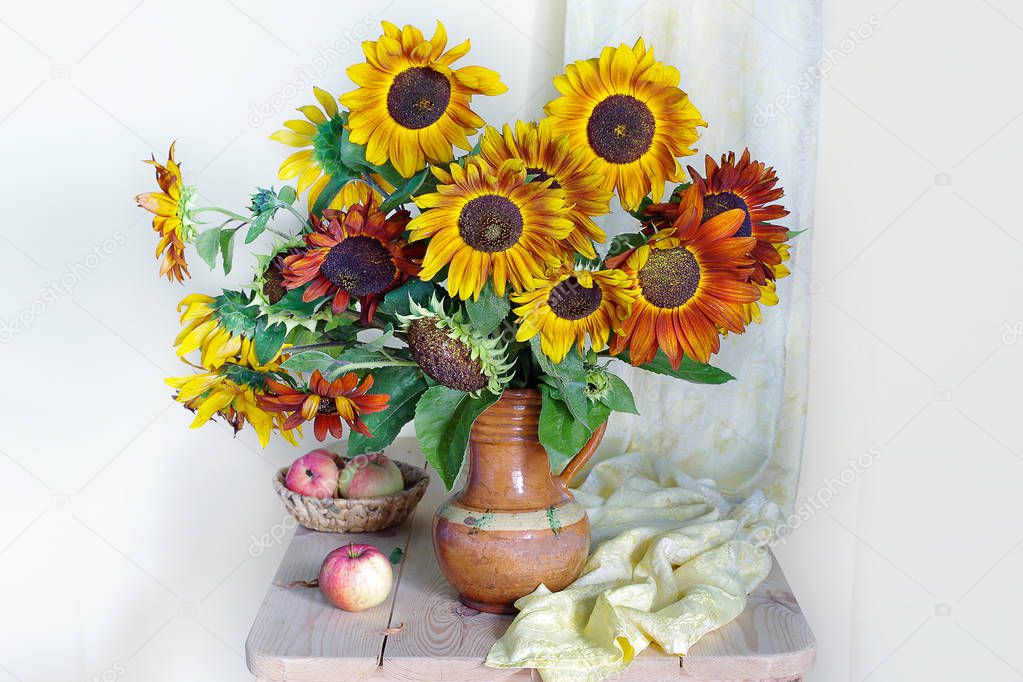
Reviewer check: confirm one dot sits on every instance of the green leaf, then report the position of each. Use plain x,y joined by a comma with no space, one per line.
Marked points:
444,418
561,434
688,370
300,336
395,556
236,313
287,195
488,311
405,191
308,361
207,245
405,386
257,226
396,301
227,248
379,342
619,397
292,302
795,233
268,340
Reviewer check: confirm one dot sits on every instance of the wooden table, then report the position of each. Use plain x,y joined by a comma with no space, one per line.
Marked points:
422,632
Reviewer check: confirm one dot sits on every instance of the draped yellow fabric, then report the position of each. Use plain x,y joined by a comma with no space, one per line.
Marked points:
679,563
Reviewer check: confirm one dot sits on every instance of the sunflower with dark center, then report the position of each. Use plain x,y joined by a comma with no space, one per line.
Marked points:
173,219
693,281
490,223
450,351
573,305
626,111
411,106
551,157
325,403
356,253
750,186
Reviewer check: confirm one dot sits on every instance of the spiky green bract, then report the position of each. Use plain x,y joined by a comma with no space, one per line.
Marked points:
452,353
277,304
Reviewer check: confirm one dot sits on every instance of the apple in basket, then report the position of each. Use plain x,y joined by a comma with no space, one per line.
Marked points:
314,474
370,476
355,577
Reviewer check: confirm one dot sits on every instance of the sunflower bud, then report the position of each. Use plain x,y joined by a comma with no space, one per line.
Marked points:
598,386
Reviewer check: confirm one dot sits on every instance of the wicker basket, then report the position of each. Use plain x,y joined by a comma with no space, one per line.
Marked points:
361,515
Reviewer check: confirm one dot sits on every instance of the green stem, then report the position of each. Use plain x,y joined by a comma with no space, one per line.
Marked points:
224,211
355,366
303,219
368,179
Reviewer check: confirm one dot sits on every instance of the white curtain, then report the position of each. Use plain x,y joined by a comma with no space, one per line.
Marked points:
750,68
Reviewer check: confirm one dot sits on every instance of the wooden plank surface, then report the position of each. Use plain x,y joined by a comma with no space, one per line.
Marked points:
299,637
297,634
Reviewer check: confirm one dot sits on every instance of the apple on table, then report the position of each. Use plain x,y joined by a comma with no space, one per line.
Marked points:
356,577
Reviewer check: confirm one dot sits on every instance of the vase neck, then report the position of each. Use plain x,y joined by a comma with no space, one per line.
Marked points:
508,467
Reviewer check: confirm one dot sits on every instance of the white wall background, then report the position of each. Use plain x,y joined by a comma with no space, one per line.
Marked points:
132,547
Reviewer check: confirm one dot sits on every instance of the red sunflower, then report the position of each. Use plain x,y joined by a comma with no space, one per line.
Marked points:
751,186
355,253
325,403
693,280
747,185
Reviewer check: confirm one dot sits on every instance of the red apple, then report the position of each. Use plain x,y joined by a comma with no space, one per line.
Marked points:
314,474
356,577
370,476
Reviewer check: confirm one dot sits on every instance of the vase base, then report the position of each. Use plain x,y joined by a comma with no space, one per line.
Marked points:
500,609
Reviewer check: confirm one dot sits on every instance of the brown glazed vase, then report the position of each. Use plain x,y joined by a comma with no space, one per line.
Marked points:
513,525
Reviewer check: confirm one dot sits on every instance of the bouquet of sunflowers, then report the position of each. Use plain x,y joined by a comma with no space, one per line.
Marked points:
417,283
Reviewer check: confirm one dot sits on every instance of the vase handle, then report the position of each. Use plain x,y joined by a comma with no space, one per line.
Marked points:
579,461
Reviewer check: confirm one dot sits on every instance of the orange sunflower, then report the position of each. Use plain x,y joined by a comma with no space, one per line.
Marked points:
411,106
355,253
486,223
550,157
325,403
750,186
626,111
173,220
693,281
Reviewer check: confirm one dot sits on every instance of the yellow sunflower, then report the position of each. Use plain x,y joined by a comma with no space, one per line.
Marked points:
318,138
548,156
487,223
205,331
173,221
574,304
626,110
411,106
210,394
